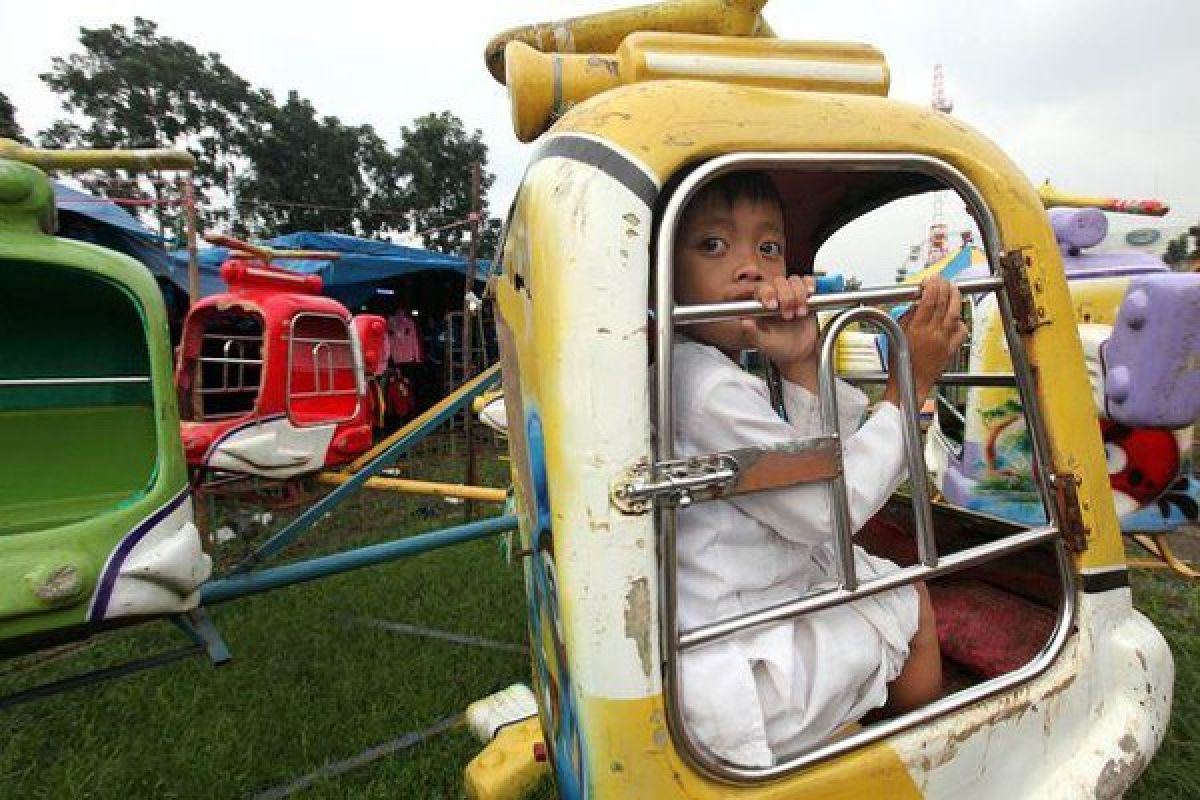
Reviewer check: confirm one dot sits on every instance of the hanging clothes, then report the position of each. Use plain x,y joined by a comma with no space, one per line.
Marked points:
405,339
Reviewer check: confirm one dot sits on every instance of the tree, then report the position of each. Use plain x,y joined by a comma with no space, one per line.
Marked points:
312,174
1177,251
9,129
136,88
431,178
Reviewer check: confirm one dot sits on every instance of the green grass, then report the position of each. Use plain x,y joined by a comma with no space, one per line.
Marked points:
309,687
1174,607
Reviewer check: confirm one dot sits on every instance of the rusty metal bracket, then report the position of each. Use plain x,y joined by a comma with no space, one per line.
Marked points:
1066,496
1027,315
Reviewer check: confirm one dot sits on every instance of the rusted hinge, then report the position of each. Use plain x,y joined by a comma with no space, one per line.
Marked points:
1066,496
1027,315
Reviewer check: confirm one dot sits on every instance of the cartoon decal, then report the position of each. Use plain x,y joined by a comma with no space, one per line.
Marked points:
560,717
1148,469
551,672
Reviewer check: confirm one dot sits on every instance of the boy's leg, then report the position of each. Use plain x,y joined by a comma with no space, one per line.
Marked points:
920,681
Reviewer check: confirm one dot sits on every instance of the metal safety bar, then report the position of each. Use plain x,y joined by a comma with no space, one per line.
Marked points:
665,317
989,379
241,337
880,295
832,596
223,360
843,531
226,392
314,340
12,383
317,350
237,356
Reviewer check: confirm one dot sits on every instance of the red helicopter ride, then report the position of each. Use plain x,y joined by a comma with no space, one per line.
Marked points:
274,380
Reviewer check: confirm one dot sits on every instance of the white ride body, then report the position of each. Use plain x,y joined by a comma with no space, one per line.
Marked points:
273,448
161,573
618,650
1052,737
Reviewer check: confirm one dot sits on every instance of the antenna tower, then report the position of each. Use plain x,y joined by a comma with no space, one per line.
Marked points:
936,247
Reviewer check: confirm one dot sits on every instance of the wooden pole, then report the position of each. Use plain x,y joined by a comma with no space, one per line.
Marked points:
469,303
189,215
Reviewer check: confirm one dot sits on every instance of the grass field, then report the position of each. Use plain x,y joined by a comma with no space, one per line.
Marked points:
316,680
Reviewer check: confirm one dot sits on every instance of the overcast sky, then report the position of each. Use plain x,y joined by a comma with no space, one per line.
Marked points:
1098,95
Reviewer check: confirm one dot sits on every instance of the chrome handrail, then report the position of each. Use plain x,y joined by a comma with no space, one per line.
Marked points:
7,383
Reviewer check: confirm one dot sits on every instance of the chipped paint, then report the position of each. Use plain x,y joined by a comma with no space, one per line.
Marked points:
63,583
637,621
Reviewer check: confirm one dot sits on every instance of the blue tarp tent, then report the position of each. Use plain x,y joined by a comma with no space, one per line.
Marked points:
93,219
365,264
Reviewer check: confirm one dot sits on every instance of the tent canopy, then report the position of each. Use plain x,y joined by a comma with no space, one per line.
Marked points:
88,218
98,209
364,264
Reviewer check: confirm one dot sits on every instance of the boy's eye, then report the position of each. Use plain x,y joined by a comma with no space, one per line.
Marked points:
771,249
712,245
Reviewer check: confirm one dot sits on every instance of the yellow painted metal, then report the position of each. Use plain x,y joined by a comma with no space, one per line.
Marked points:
603,32
137,160
664,123
637,760
405,486
1052,196
423,419
543,86
627,739
706,120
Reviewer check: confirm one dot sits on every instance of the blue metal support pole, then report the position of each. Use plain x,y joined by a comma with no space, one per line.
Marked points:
236,586
428,422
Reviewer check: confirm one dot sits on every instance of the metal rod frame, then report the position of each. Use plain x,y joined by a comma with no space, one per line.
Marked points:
992,379
429,422
243,584
357,366
14,383
665,318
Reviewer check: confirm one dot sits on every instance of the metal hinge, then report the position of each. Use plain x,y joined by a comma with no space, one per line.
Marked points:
672,484
1027,314
1066,494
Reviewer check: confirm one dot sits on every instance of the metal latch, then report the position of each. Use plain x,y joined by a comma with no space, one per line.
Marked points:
679,483
1066,494
673,483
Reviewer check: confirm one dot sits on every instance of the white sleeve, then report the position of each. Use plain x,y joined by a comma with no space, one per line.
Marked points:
804,408
733,415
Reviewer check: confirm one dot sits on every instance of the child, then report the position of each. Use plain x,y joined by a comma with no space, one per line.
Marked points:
772,691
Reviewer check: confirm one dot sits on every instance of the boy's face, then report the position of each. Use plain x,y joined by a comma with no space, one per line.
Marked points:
721,253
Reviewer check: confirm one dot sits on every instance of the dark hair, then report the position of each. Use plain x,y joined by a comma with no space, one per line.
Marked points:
751,186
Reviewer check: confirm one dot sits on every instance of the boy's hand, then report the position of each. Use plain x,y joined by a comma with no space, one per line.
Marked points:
788,340
935,331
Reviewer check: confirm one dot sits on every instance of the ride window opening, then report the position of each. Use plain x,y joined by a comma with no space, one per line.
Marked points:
759,606
227,375
77,417
323,375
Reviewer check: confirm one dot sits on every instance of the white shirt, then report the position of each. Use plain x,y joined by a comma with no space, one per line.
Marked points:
755,550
